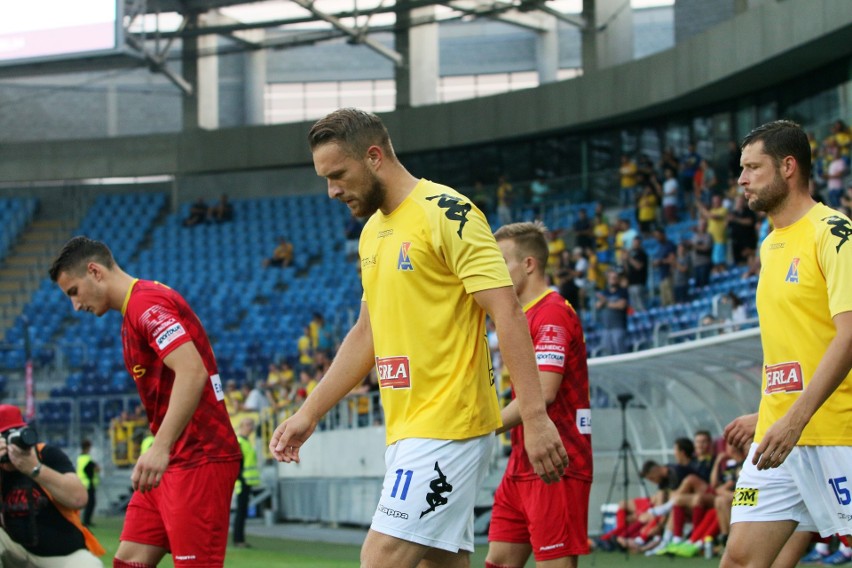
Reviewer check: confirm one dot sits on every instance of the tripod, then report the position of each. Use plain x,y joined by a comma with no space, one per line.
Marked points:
625,456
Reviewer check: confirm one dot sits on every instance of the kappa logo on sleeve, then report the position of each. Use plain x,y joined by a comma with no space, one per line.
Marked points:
456,210
840,228
784,377
169,335
394,372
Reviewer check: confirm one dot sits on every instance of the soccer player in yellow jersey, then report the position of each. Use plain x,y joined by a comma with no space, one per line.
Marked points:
798,476
431,270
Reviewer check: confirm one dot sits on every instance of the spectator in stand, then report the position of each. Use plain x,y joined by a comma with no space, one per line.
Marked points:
233,397
733,161
636,269
321,335
282,255
702,254
539,190
352,232
197,213
647,207
687,166
842,138
644,171
668,160
837,169
681,271
742,226
717,226
306,348
846,201
601,231
664,259
505,199
624,235
612,315
258,398
671,197
555,248
704,184
584,235
627,175
222,211
581,276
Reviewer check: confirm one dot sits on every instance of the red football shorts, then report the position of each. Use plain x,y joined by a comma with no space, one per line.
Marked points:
188,514
553,519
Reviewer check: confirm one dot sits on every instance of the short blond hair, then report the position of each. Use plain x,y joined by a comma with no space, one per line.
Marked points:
530,239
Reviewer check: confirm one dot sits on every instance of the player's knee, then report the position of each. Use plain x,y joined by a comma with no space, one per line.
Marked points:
492,565
119,563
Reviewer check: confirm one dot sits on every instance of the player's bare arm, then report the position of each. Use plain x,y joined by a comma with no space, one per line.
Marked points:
511,416
190,379
66,488
833,368
542,442
352,363
740,432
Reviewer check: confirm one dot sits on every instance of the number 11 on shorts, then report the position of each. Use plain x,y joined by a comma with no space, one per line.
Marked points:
844,497
408,474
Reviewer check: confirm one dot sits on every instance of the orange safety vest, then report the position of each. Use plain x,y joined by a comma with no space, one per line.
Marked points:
73,517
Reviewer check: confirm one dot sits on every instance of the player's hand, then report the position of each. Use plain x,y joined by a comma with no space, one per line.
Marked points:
740,432
778,442
545,449
289,437
149,469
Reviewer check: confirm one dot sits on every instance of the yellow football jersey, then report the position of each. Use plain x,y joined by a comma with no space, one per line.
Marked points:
805,280
419,267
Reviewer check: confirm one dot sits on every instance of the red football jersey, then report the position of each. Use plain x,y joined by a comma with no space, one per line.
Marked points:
559,348
157,320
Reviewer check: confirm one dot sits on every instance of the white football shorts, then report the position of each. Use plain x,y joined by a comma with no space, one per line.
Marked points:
430,488
812,487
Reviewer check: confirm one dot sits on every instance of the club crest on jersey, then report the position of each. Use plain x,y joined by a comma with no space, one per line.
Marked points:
404,261
784,377
793,272
394,372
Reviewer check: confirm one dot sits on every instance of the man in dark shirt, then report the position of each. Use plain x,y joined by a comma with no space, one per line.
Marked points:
41,496
612,314
636,269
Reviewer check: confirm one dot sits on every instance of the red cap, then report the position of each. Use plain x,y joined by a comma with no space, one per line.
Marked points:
10,417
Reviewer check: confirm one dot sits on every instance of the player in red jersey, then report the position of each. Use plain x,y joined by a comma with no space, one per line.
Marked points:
529,516
184,481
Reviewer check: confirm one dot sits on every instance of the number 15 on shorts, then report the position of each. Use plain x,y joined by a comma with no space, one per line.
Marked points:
838,484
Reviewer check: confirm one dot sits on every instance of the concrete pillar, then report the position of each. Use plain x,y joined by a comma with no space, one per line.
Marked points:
201,70
607,39
588,38
254,80
112,110
417,77
547,51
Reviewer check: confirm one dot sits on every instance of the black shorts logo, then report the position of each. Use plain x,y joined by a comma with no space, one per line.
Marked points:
439,486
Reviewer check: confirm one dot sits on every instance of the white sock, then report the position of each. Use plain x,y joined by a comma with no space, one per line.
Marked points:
822,547
845,550
663,509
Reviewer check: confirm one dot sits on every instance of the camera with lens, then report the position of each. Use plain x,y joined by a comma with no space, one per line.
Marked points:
24,437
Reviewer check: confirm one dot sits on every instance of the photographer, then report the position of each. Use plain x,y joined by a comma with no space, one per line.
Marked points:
41,496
